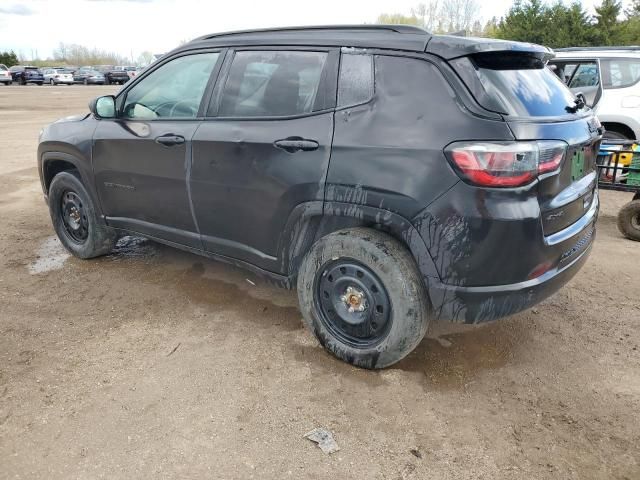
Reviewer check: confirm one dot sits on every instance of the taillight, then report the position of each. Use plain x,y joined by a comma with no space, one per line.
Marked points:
505,164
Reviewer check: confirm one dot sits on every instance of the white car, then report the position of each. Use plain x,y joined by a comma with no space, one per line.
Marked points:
608,77
5,75
56,76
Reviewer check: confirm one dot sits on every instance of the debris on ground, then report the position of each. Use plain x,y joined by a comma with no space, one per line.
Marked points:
250,282
324,439
174,350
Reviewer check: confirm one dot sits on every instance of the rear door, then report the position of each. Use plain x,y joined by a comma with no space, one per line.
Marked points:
141,159
264,150
581,76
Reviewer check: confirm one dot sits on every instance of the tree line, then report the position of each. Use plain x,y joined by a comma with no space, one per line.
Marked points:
552,24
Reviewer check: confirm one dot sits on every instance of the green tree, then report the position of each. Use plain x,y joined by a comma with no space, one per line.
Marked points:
9,58
525,22
556,25
609,29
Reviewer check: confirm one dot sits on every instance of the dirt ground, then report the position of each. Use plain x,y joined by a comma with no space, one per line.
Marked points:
153,363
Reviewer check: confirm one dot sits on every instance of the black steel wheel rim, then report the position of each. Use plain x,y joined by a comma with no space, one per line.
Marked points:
352,303
74,217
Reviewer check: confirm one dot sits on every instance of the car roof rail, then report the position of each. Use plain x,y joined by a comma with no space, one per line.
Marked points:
597,49
370,28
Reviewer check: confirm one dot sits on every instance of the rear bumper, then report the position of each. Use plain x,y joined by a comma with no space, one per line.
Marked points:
559,256
484,304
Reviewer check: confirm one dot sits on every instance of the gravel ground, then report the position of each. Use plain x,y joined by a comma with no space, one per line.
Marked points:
154,363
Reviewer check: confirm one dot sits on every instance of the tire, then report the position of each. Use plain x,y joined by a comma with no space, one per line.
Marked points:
92,238
341,271
613,135
39,83
629,220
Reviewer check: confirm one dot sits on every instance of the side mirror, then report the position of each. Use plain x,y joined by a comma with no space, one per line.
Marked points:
103,107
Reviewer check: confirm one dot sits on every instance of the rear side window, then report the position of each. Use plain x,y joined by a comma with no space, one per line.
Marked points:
515,84
620,72
272,84
355,84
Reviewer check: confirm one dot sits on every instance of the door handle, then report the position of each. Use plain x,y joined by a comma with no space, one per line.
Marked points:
170,140
296,144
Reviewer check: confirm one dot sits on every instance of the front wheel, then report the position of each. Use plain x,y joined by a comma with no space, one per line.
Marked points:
362,296
629,220
75,220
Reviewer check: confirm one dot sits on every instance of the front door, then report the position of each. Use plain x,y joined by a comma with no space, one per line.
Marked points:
141,159
265,152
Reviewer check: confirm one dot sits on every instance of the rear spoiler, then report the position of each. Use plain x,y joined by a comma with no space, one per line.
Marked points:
451,46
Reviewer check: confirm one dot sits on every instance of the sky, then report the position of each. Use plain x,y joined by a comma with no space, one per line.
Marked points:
35,27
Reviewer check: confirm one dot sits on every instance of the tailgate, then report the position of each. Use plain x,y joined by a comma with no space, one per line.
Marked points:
566,195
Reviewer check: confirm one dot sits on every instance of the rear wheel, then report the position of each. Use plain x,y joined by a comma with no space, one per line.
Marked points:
75,220
362,296
629,220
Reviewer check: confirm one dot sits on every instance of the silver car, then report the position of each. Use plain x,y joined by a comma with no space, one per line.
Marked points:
56,76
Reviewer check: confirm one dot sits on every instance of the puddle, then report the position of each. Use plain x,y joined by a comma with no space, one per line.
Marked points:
51,256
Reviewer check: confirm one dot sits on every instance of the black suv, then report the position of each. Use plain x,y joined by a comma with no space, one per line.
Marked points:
396,177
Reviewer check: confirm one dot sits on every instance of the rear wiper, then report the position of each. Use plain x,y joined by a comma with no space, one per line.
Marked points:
579,103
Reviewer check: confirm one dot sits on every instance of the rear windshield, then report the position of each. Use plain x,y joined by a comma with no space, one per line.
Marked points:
518,85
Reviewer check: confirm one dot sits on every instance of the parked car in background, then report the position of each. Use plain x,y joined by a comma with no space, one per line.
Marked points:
5,75
132,71
56,76
26,74
88,76
111,75
395,177
609,79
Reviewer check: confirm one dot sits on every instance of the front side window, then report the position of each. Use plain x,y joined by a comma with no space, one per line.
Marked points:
355,82
620,72
174,90
272,84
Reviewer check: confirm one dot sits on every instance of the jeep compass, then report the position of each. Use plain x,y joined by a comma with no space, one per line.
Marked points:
393,176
